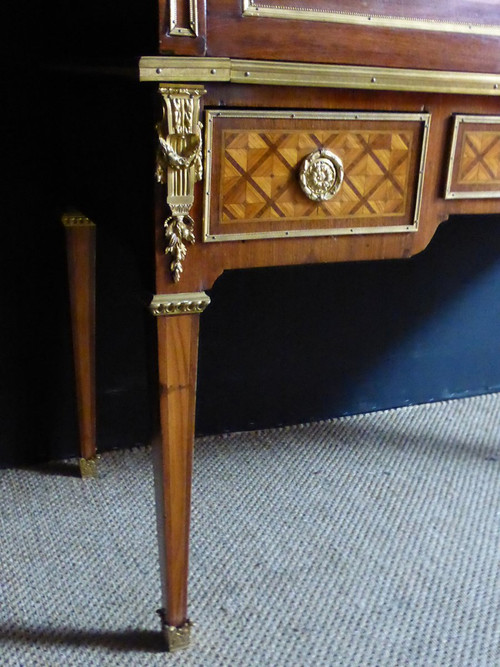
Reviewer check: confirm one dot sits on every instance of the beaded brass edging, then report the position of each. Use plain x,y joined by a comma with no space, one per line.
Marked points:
76,220
179,304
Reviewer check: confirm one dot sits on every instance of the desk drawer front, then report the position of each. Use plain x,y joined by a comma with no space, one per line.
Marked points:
474,168
260,165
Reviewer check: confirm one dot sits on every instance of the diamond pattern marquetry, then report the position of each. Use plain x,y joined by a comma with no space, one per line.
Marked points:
259,174
480,158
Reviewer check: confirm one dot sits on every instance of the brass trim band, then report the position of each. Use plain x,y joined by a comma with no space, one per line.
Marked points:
189,303
76,220
251,8
271,73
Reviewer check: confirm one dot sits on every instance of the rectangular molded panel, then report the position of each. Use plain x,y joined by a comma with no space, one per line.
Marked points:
253,161
474,167
461,16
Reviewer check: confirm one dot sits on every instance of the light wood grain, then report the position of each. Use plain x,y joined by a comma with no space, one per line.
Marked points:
173,452
80,244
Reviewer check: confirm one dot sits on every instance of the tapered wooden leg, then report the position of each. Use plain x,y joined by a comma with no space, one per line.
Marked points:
80,244
173,454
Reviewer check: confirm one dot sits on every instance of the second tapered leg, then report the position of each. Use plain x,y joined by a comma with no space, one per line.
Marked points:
80,245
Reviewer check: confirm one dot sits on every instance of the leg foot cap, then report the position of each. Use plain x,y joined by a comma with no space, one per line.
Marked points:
176,638
88,467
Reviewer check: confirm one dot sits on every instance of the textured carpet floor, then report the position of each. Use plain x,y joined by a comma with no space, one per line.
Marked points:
368,541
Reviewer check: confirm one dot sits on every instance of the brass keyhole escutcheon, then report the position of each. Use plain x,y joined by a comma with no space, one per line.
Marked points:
321,175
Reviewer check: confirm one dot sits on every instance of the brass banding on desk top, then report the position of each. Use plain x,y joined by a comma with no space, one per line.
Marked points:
253,191
256,8
474,166
266,73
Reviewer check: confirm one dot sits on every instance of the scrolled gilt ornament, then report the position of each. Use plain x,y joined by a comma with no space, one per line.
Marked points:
321,175
179,166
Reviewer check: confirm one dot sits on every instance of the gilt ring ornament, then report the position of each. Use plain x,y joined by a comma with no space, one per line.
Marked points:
321,175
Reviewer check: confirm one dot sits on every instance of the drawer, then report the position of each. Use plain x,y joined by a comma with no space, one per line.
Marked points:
474,166
276,174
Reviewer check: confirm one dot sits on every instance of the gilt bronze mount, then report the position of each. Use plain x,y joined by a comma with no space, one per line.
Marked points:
179,166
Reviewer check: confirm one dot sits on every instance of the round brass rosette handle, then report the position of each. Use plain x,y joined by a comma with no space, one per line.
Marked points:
321,175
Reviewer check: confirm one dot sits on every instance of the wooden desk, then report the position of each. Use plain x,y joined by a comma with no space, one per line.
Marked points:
300,134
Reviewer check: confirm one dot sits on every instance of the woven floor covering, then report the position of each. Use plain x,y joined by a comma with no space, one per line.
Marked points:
371,540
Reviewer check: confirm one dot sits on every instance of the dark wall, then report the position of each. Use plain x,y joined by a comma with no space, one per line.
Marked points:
282,346
277,346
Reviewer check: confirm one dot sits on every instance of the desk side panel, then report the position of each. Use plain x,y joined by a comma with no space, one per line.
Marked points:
259,36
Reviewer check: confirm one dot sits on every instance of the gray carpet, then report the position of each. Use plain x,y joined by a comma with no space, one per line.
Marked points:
364,541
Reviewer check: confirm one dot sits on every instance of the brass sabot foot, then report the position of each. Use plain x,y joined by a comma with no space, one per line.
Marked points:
89,467
176,638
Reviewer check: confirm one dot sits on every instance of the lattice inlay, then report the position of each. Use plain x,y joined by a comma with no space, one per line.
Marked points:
259,174
480,158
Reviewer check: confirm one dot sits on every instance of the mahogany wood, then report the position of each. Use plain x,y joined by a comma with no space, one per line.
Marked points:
229,34
80,244
173,453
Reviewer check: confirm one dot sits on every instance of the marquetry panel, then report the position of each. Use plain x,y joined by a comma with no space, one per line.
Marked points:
474,169
255,158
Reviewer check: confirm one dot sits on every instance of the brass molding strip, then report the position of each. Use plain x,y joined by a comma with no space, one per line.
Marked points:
180,31
188,303
459,119
210,237
273,73
253,9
